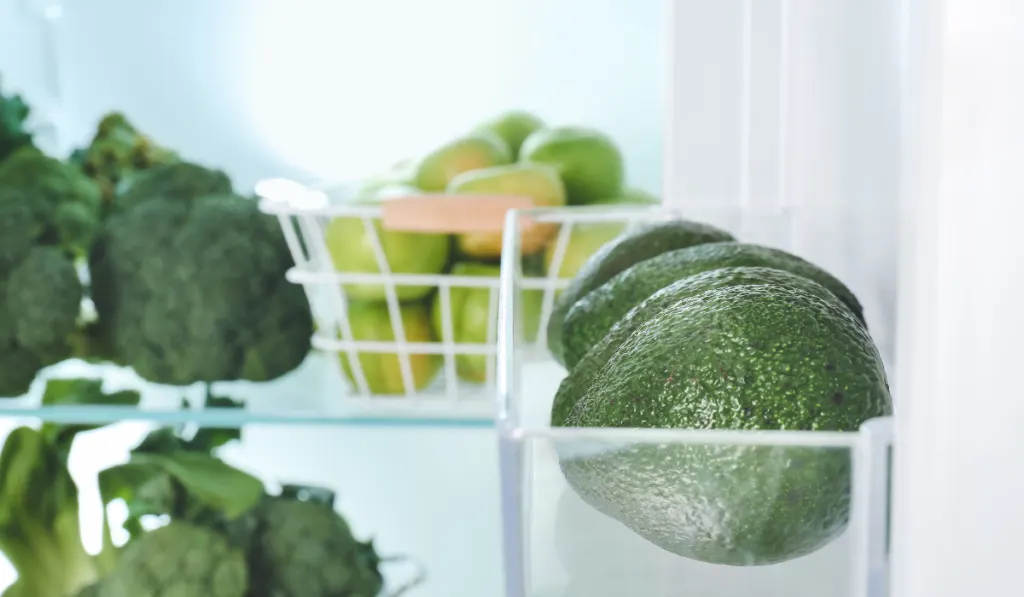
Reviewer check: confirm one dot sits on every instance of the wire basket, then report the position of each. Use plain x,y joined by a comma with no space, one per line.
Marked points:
406,361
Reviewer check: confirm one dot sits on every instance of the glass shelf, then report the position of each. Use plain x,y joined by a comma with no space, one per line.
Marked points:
308,396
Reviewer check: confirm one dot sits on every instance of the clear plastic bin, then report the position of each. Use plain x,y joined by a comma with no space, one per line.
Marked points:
556,544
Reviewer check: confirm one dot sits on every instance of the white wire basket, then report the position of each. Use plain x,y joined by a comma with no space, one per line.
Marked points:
355,269
558,544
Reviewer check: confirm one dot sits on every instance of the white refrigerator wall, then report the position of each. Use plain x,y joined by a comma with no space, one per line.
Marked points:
796,103
339,88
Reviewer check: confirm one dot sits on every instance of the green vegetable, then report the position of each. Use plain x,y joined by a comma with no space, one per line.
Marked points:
39,529
291,544
65,204
183,181
168,475
39,524
303,548
40,299
749,357
193,288
14,113
178,559
44,297
117,152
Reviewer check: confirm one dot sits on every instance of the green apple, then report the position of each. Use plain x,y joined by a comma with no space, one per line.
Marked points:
371,322
480,149
350,245
399,174
514,127
536,181
586,238
471,318
589,162
633,196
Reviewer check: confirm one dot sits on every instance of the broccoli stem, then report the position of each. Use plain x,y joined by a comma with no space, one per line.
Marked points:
50,559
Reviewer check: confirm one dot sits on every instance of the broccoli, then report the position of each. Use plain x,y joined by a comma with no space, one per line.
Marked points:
303,548
65,204
44,297
182,181
192,289
39,526
40,300
180,558
20,229
116,152
13,115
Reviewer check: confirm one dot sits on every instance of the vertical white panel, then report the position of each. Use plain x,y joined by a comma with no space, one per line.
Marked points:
792,102
958,517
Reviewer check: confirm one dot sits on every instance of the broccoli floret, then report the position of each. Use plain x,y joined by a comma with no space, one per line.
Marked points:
14,113
20,229
40,301
65,203
190,289
303,548
178,559
180,180
44,296
40,293
116,152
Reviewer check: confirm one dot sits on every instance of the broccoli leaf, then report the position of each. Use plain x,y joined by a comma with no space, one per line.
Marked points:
208,439
184,485
78,392
209,480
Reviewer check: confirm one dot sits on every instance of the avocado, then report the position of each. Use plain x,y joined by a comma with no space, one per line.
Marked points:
636,245
594,314
572,386
749,357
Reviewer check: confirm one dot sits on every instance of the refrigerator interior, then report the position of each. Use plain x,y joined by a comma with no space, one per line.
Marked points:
774,103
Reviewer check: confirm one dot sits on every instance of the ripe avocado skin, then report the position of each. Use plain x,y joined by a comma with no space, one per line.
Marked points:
592,315
638,244
570,389
749,357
